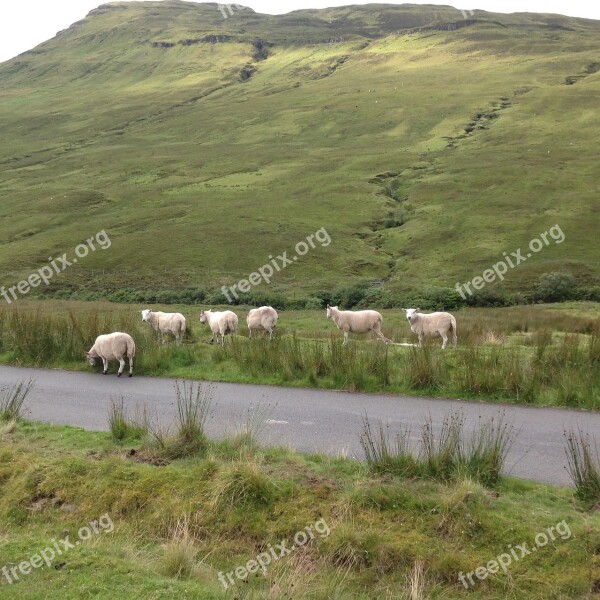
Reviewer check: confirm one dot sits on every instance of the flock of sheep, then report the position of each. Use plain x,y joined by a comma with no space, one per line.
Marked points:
119,346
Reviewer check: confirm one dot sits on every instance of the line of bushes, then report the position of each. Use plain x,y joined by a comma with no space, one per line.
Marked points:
550,287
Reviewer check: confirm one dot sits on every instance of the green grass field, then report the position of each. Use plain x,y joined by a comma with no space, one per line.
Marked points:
199,176
167,528
542,354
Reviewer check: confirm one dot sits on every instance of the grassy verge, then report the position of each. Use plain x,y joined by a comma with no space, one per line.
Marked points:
176,524
540,355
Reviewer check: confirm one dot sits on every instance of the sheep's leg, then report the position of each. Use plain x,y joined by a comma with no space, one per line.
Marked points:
250,333
420,340
345,337
379,335
445,338
121,366
270,334
454,338
131,366
105,364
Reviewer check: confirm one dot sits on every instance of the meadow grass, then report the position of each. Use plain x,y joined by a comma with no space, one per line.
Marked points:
546,355
179,524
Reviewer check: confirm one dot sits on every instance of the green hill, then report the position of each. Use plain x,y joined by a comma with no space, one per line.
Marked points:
425,144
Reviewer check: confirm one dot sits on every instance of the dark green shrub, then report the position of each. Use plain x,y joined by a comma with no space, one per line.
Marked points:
556,287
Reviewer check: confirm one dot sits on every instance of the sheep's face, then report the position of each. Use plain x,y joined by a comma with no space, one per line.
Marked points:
91,360
203,317
410,312
146,315
330,310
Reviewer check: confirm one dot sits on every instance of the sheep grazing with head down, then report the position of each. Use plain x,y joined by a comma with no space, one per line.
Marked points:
164,323
431,325
360,321
220,323
262,319
113,346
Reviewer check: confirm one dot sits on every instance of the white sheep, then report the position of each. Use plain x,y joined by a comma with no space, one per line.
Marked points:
360,321
162,322
438,323
262,319
112,346
220,323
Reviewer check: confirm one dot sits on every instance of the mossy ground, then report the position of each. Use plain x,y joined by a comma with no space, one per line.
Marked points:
218,509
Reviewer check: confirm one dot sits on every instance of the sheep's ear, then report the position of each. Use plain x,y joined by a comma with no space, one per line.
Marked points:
417,309
405,309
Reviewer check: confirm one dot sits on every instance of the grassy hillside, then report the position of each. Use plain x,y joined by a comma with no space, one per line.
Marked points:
204,145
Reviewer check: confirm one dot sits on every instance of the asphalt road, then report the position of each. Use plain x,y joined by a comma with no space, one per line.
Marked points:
304,419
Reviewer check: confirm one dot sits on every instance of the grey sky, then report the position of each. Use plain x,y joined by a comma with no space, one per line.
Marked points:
27,23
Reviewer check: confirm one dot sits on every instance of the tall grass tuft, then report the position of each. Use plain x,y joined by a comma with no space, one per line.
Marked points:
441,455
193,406
12,400
594,347
583,465
179,553
444,455
384,455
486,453
248,437
423,368
416,581
243,484
122,427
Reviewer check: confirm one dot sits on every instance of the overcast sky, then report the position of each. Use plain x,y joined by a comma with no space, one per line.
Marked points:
27,23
